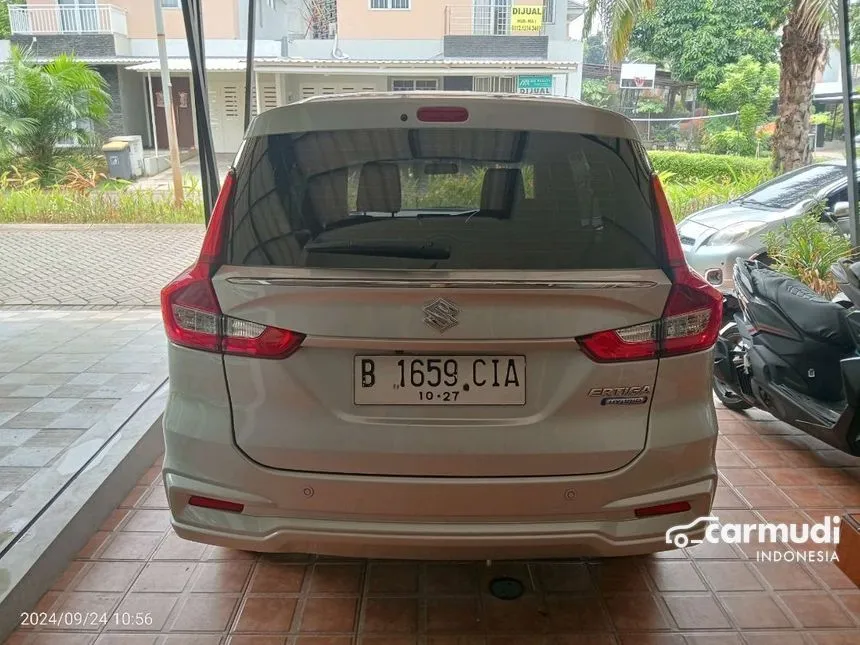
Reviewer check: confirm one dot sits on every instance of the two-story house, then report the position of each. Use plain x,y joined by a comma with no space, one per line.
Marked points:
306,47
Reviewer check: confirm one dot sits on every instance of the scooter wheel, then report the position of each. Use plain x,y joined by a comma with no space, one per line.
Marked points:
728,398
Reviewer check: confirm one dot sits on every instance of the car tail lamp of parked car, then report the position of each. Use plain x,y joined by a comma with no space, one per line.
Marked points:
691,316
190,309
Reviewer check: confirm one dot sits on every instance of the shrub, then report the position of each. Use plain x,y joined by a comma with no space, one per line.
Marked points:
820,118
730,142
686,198
687,166
67,166
61,205
597,92
805,249
45,105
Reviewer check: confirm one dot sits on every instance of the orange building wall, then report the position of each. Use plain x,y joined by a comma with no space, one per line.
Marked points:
426,19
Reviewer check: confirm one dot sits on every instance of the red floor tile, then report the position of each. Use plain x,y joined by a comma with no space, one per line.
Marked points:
675,576
266,614
391,615
392,578
817,610
696,611
730,576
756,611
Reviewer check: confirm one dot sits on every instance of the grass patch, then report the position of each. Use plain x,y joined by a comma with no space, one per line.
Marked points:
33,205
688,197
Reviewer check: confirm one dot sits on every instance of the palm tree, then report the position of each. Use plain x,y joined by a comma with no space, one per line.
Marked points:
42,106
618,19
801,54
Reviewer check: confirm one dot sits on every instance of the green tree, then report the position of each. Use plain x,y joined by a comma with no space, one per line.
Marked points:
725,31
748,87
596,92
854,26
800,54
594,50
618,19
649,106
44,105
5,30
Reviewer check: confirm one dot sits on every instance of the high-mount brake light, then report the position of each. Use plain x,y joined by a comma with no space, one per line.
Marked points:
190,310
691,317
443,114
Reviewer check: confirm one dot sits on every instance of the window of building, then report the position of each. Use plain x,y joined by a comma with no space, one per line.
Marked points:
389,4
419,85
549,11
491,17
170,4
498,84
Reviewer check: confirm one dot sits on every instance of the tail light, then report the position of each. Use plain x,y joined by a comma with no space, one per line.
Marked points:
691,318
190,309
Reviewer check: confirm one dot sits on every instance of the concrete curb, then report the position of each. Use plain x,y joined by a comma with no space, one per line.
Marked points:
43,552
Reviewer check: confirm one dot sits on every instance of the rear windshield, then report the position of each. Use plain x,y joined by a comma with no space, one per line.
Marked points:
791,189
436,198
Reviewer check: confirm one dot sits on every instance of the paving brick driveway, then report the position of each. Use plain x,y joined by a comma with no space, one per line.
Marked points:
88,265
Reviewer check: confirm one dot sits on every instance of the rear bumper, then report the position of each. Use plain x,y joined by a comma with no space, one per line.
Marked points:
432,518
436,541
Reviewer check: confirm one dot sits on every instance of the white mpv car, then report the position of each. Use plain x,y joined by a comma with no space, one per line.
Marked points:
440,325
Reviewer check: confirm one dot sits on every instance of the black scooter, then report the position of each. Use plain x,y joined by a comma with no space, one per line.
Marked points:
787,350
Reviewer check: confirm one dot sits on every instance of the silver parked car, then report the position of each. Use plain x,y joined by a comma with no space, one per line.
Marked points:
440,326
715,237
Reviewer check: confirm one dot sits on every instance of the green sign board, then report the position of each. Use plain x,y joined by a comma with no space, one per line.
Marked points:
534,84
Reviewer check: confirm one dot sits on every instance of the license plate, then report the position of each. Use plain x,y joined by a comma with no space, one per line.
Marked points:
440,380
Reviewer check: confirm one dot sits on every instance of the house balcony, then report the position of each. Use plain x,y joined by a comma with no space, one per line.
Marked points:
491,30
37,20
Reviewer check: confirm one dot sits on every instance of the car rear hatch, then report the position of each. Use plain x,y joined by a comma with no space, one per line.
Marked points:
474,291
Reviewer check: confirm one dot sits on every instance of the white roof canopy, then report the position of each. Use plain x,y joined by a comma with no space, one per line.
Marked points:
427,67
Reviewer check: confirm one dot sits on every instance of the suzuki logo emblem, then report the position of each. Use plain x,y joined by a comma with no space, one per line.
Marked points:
441,315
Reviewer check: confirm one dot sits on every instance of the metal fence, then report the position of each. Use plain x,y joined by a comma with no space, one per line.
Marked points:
59,19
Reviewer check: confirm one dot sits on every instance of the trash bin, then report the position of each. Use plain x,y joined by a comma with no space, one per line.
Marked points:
820,131
118,155
135,143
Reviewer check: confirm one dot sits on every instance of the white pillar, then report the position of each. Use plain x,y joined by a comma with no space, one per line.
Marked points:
259,93
279,88
152,114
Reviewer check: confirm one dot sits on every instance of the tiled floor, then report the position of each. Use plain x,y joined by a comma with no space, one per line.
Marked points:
706,595
68,380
